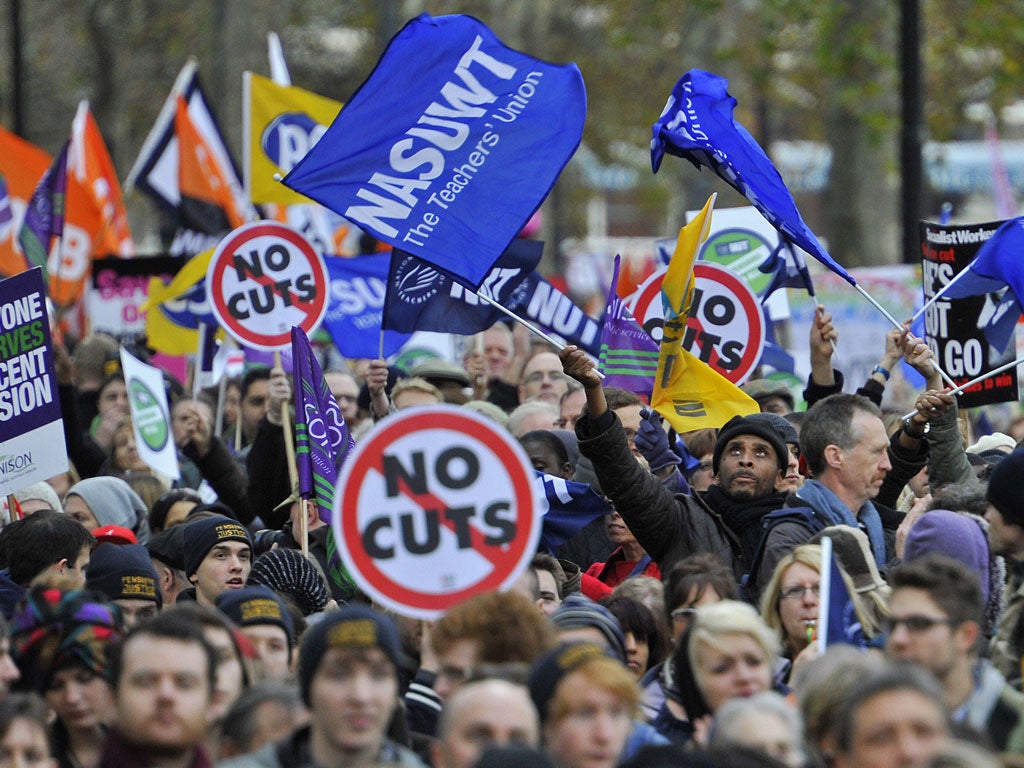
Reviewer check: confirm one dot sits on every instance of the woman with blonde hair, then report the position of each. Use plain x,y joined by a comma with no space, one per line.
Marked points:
727,652
789,604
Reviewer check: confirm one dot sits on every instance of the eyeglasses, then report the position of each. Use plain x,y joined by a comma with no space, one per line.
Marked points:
538,376
797,593
914,624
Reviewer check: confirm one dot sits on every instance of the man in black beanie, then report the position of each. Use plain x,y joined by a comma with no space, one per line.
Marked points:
348,677
125,574
218,556
750,458
263,618
1005,518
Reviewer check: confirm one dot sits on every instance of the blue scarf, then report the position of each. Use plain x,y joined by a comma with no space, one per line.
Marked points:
826,503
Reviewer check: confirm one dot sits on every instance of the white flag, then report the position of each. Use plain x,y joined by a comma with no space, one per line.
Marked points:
151,418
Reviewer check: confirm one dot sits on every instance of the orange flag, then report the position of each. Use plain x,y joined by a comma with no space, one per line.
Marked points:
89,163
207,204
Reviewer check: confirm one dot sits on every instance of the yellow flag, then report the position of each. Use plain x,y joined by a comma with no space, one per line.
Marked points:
687,391
170,323
282,124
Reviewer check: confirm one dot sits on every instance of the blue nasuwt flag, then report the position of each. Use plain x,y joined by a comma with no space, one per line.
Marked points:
697,124
421,298
449,146
998,264
568,507
355,306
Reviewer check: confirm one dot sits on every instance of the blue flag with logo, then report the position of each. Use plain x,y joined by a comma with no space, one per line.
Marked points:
355,306
450,145
421,298
998,264
568,507
697,124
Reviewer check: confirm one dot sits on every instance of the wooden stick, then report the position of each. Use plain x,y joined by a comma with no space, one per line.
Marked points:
289,450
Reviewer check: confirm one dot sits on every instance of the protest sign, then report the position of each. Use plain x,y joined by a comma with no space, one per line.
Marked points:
449,146
151,418
263,279
954,328
32,448
436,504
725,328
119,288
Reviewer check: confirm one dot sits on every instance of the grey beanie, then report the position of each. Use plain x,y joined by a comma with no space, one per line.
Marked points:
578,611
113,502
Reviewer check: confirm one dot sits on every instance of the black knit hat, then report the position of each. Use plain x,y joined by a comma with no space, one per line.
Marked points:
201,536
748,425
782,425
354,626
256,605
1004,485
168,547
287,572
578,610
123,572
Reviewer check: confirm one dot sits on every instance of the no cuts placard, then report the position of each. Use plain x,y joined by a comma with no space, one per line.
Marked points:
725,328
436,504
263,279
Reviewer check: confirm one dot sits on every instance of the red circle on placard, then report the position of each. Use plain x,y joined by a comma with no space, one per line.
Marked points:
313,311
648,306
507,560
715,273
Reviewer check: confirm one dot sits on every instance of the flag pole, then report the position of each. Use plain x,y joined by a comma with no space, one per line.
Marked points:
940,293
548,338
960,389
289,451
900,327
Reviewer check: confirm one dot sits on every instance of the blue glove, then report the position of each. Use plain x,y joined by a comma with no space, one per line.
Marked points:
652,442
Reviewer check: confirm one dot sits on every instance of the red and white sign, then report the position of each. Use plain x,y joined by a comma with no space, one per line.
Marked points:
434,505
264,278
726,326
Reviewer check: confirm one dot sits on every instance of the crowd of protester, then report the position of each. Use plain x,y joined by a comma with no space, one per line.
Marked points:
151,622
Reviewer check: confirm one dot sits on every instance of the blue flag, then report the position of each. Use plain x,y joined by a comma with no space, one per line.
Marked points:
843,624
450,145
355,306
788,269
998,264
420,298
44,217
697,124
568,508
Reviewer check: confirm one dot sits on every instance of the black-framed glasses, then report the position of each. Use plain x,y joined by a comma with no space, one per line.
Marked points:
797,593
915,624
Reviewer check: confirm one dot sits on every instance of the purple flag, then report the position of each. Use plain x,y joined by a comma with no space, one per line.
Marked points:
322,443
629,356
697,124
6,217
322,438
44,217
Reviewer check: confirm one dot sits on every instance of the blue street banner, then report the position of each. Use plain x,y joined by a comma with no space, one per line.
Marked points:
449,146
355,306
32,446
421,298
697,124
